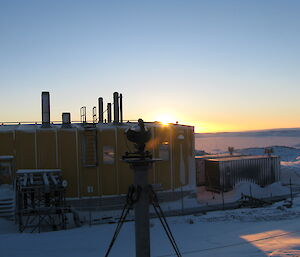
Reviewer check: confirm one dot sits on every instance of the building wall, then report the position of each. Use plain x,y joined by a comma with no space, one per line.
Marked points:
7,145
62,148
25,149
68,158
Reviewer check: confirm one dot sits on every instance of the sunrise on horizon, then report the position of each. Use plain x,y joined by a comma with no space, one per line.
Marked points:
223,66
149,128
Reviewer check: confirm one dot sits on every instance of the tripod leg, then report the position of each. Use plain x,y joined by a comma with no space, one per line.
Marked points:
123,216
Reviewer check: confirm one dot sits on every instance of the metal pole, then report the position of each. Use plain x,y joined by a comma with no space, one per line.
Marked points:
109,112
90,216
182,208
94,114
100,110
291,191
223,187
142,228
116,107
140,161
223,202
121,108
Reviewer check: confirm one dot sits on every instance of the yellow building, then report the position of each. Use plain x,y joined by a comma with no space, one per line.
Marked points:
89,155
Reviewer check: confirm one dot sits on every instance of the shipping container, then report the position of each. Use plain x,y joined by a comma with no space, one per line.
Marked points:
200,165
222,174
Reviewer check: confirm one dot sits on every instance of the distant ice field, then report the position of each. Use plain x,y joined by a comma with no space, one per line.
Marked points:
219,142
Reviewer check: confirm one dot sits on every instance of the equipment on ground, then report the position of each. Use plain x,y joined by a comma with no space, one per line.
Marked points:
40,200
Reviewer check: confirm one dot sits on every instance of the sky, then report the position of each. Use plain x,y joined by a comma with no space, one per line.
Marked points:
216,65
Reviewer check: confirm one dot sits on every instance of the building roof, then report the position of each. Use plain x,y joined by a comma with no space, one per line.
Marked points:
217,156
244,157
33,126
31,171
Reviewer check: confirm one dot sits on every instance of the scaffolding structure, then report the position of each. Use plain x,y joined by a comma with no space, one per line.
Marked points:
40,200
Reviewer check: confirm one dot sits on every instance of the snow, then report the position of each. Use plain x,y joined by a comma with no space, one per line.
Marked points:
275,189
219,142
270,231
285,153
6,157
6,191
32,127
290,171
249,232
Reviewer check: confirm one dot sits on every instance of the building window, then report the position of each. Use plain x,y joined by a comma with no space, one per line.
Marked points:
164,151
108,155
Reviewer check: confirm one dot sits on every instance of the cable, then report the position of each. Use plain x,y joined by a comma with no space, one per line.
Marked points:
124,214
230,245
169,234
163,221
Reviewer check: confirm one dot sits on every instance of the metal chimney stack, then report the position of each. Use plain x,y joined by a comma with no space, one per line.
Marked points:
100,110
121,108
109,112
116,107
45,109
66,120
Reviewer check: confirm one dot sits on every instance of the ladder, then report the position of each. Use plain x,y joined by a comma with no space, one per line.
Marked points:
90,153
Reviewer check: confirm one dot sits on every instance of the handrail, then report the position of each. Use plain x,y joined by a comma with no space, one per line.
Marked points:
3,123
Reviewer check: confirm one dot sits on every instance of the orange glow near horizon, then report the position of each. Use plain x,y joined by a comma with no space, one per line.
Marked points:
214,127
205,123
241,126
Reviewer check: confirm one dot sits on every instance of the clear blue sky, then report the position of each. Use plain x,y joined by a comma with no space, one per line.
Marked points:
218,65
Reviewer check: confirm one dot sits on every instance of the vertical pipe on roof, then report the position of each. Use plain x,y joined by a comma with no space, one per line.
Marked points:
121,108
66,120
116,107
100,110
45,109
109,112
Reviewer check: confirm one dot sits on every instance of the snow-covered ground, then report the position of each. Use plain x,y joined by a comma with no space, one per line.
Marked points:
246,188
256,232
271,231
219,142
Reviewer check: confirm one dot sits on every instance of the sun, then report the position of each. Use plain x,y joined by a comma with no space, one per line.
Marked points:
165,119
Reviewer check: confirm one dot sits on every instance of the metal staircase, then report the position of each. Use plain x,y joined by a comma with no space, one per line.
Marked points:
7,208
